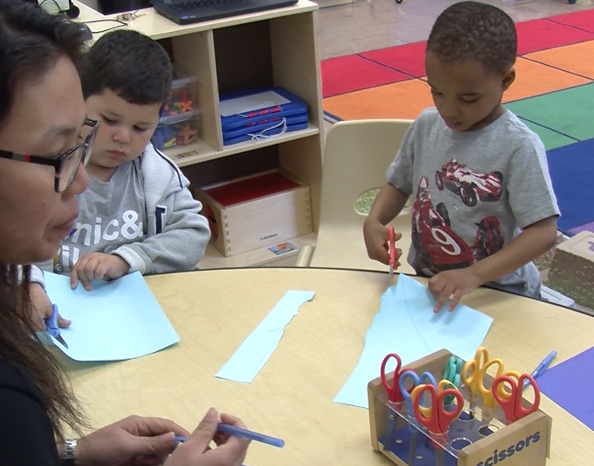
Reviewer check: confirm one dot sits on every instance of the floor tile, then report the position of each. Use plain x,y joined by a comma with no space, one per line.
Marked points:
574,188
542,34
405,99
581,21
351,73
571,58
535,79
409,59
551,139
563,111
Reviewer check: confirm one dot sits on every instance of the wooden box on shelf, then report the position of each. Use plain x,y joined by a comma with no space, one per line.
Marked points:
524,442
256,211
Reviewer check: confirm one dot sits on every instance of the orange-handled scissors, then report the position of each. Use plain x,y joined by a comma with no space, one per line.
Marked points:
511,402
436,417
473,374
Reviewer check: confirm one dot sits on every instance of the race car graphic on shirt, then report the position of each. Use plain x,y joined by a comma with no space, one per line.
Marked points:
438,247
469,184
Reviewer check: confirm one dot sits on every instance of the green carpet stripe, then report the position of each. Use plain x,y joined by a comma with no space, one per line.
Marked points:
567,112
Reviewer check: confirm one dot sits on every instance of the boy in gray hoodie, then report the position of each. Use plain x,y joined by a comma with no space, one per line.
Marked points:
137,213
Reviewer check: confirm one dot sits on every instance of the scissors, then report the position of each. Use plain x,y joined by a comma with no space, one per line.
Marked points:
395,397
391,251
51,327
436,418
473,375
425,377
452,374
511,402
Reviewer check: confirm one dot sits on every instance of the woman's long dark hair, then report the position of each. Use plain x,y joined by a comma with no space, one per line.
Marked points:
31,42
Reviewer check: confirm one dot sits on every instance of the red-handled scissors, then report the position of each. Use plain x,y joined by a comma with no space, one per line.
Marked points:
511,401
436,417
395,398
392,251
393,390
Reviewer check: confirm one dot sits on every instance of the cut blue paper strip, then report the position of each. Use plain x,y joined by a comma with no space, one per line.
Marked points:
116,320
578,399
257,348
407,325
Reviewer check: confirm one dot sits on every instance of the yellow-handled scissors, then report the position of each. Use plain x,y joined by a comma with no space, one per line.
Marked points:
473,374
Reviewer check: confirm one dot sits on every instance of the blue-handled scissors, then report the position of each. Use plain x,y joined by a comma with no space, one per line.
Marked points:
425,377
51,327
395,399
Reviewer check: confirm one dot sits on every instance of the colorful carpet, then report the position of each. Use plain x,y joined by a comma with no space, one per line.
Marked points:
553,94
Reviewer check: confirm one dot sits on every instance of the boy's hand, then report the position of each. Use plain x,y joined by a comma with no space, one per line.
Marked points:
376,238
42,309
454,284
97,266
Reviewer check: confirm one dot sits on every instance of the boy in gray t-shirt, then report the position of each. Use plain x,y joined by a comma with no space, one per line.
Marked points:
137,213
483,204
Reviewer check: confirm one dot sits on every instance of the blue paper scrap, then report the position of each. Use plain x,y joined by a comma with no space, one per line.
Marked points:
406,325
577,400
116,320
257,348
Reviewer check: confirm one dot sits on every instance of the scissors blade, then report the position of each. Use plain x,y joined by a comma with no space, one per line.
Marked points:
52,327
60,338
390,425
412,447
392,252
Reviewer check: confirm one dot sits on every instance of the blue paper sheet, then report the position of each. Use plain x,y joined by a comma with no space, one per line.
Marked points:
577,398
116,320
407,325
257,348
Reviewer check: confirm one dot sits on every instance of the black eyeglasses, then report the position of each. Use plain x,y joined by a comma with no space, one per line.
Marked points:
65,164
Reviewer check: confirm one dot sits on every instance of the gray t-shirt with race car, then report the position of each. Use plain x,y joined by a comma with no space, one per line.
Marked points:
472,193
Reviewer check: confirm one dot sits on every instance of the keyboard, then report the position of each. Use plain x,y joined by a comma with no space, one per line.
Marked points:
187,12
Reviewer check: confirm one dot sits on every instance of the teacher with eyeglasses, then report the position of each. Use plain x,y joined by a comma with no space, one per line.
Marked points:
45,141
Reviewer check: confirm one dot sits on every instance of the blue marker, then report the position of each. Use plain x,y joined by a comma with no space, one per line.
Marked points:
546,362
239,432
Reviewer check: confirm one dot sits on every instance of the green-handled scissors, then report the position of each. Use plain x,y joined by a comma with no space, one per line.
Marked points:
452,374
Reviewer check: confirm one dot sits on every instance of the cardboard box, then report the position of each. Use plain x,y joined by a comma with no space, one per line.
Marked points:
572,268
525,442
256,211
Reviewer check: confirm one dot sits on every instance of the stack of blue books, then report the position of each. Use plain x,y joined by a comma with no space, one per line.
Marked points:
261,114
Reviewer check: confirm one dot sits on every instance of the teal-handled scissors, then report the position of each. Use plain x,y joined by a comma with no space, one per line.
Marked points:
395,398
452,374
436,417
51,327
511,402
425,377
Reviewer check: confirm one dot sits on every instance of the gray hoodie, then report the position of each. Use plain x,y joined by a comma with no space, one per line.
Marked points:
144,214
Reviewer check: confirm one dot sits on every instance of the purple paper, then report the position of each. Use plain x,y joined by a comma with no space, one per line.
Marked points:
577,401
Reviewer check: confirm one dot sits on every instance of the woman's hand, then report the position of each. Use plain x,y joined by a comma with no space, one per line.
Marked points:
130,442
196,451
42,309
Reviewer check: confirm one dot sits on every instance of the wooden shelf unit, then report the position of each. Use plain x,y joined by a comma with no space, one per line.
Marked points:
274,48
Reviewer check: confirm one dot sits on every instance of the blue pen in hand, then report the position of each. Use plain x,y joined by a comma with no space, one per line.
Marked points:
546,362
239,432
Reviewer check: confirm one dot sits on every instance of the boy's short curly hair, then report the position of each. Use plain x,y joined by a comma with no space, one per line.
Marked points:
130,64
475,30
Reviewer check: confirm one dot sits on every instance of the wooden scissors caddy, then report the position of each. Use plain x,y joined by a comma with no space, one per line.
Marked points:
470,441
